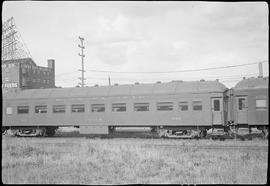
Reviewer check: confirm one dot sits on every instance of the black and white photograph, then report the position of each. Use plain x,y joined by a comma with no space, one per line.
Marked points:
135,92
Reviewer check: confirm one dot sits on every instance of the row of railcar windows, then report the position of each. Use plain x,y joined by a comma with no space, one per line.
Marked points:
116,107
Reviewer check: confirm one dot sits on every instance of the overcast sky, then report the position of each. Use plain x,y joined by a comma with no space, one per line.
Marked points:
144,37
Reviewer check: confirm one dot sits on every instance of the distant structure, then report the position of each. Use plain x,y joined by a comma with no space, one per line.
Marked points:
19,71
25,74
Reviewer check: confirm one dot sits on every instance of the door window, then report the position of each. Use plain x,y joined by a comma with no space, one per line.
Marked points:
242,104
216,105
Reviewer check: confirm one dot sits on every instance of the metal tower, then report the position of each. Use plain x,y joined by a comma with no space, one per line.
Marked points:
13,46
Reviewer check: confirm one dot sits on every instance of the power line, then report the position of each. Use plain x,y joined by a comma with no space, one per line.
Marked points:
64,73
191,70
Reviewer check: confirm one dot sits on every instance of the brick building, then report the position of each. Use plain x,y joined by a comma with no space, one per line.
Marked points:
25,74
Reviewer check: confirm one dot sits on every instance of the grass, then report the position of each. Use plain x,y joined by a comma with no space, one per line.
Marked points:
129,161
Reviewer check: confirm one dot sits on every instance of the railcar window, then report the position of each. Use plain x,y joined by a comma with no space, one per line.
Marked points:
98,107
59,109
41,109
23,109
119,107
261,104
183,105
9,110
163,106
241,103
197,105
141,106
216,105
77,108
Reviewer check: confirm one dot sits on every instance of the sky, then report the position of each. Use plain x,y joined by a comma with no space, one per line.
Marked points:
147,36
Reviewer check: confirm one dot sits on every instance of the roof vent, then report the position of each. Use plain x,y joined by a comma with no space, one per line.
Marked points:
96,85
116,84
137,83
217,80
158,82
202,80
244,77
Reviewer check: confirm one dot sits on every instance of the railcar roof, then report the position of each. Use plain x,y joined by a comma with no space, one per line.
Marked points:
173,87
252,83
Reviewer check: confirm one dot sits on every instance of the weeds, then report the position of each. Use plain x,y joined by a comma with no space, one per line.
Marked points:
128,161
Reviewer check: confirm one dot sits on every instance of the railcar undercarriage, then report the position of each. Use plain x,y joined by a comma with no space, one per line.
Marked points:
31,131
174,132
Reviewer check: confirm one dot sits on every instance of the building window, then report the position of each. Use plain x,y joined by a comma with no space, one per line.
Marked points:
98,107
261,104
77,108
141,106
163,106
23,109
41,109
9,110
119,107
183,105
59,108
197,105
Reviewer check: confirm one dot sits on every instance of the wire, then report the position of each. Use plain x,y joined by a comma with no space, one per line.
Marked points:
191,70
64,73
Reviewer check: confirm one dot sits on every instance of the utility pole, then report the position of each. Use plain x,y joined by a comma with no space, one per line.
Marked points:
260,70
82,55
109,81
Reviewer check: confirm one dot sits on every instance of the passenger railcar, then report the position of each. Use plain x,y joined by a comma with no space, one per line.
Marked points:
249,103
171,107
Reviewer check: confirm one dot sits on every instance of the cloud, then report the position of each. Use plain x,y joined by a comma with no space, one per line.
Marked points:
112,54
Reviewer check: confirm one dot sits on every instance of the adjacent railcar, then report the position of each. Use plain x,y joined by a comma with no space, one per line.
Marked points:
250,103
165,107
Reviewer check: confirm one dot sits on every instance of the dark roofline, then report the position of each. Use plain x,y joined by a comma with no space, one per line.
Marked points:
22,60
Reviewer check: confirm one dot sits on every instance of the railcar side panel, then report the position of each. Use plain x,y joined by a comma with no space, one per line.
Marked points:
83,115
